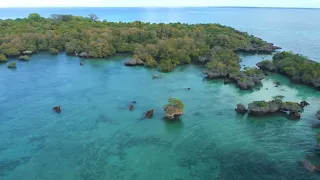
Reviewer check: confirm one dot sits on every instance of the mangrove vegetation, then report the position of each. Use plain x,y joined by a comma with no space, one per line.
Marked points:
162,46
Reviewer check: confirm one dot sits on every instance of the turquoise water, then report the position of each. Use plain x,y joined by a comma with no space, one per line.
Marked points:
96,137
293,29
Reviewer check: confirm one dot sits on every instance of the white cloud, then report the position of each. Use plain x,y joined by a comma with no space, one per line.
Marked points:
163,3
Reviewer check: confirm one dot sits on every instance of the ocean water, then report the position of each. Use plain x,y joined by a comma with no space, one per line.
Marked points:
296,30
96,137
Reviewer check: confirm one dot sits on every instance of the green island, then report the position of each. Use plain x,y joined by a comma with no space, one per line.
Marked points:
296,66
161,46
292,110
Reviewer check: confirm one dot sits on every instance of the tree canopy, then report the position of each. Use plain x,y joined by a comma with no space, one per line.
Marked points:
159,45
300,68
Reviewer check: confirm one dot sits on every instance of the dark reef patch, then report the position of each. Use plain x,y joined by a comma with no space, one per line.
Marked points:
7,166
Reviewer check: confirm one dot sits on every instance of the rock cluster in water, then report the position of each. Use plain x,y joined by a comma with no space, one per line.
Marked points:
12,65
24,58
243,79
57,109
260,108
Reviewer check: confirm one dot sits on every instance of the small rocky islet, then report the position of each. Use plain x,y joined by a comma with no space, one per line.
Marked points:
292,110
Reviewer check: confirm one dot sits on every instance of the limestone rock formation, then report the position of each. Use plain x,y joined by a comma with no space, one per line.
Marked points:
131,107
134,62
173,112
27,52
241,109
57,109
84,55
244,79
24,58
258,108
149,114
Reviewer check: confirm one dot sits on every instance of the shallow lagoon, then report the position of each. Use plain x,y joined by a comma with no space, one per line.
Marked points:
97,137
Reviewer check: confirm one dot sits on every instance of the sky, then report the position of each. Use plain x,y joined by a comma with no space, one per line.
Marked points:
159,3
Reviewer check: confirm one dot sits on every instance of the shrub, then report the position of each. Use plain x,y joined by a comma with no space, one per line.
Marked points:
261,103
175,103
54,51
3,58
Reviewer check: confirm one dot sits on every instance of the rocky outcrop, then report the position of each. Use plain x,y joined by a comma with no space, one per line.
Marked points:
134,62
24,58
57,109
84,55
131,107
304,104
27,52
149,114
12,65
245,79
260,108
155,76
173,112
267,48
241,109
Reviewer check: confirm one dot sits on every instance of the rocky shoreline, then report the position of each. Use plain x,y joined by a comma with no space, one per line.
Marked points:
268,48
245,80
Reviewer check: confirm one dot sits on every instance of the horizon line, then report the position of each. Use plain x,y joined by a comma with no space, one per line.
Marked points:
270,7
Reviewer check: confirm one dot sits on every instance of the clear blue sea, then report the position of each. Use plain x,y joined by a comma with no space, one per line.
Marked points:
96,137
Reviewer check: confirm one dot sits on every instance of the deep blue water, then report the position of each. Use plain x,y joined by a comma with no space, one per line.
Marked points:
297,30
96,137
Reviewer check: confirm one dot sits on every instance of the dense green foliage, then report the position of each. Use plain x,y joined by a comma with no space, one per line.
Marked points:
54,51
3,58
261,103
253,71
158,45
223,60
176,103
297,66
